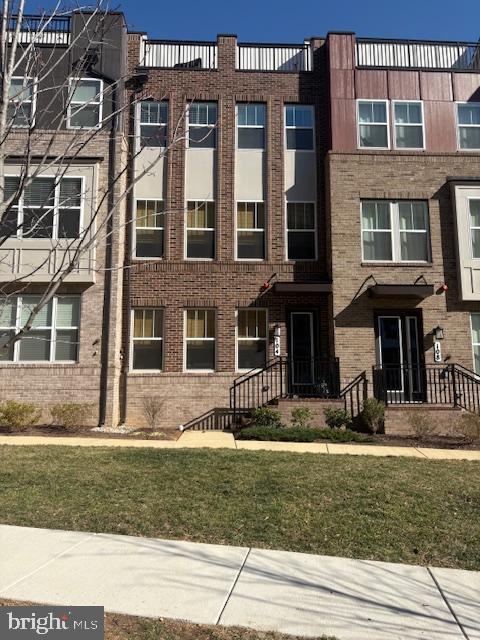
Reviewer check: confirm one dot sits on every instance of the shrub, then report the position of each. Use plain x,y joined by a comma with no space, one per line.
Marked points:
421,424
301,416
267,417
337,418
69,414
469,426
297,434
152,409
18,415
373,414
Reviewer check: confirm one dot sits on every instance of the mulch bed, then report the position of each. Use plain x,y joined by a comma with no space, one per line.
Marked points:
86,432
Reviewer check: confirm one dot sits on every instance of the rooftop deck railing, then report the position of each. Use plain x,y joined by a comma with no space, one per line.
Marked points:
41,29
168,54
273,57
413,54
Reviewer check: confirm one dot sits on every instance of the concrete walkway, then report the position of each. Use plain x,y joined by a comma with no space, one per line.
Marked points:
220,440
267,590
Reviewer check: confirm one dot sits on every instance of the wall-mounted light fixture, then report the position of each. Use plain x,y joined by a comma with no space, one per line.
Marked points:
438,332
276,331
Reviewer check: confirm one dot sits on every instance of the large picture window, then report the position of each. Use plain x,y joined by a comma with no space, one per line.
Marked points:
200,335
301,244
147,339
153,123
149,228
250,231
85,103
251,339
372,118
200,243
54,335
202,120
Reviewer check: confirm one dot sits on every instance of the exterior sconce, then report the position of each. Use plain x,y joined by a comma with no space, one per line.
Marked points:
438,333
276,331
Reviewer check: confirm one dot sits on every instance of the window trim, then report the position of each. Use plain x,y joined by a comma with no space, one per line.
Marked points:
52,328
33,101
287,128
263,230
250,126
56,208
132,340
134,230
237,339
185,340
71,103
387,110
395,125
470,126
210,126
472,343
187,229
314,230
395,232
139,124
470,227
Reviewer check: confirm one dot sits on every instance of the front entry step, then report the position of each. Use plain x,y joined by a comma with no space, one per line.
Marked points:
316,405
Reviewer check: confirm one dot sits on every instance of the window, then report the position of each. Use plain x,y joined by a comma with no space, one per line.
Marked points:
301,243
54,334
408,118
395,231
251,126
147,340
474,207
299,127
202,119
373,124
46,208
250,231
85,106
149,227
21,109
475,321
201,230
251,339
153,124
468,116
200,340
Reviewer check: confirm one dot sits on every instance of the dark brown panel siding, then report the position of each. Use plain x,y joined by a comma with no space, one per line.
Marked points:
371,84
404,85
440,126
436,86
466,87
344,131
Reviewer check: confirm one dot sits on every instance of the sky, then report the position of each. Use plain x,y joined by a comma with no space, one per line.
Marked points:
294,20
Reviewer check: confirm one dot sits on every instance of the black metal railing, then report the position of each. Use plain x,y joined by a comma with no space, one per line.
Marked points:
466,388
354,394
38,23
417,54
217,419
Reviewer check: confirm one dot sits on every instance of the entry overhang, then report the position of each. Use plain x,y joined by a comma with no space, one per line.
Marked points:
415,291
302,287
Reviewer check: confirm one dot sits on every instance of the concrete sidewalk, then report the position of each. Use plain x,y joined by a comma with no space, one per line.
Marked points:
220,440
266,590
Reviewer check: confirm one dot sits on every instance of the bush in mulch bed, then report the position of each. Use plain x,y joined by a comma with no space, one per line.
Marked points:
298,434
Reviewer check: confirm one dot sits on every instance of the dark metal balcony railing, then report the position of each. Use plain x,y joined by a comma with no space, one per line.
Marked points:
416,54
41,29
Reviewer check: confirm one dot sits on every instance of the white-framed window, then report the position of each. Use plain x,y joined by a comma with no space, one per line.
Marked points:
251,126
301,231
373,124
475,328
252,339
202,122
299,127
468,122
250,231
48,207
54,336
200,230
474,211
149,228
85,103
409,124
22,101
395,231
153,123
200,339
147,339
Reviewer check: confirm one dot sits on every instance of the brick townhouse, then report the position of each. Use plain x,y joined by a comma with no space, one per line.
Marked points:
304,223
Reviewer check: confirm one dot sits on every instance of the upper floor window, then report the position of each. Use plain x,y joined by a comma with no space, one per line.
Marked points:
202,120
21,107
153,124
372,124
474,206
250,230
149,228
200,335
408,122
46,208
200,243
85,105
299,127
468,116
301,242
251,338
251,126
54,333
147,339
395,231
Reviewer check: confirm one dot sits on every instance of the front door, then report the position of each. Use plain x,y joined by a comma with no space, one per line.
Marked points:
301,353
400,356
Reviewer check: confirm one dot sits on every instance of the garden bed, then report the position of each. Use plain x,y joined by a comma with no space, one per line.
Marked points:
53,431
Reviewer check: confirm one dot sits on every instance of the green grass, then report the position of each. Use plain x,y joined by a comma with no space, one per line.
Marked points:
394,509
300,434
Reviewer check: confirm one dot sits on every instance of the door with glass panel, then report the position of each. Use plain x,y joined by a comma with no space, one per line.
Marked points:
399,356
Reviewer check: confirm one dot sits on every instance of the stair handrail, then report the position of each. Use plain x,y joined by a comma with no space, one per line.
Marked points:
361,379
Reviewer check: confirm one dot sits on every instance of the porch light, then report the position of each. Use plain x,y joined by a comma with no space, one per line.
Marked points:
276,331
438,332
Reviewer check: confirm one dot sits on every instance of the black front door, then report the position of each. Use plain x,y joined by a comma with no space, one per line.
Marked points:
302,349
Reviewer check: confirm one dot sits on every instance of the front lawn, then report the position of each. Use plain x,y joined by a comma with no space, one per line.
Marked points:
394,509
